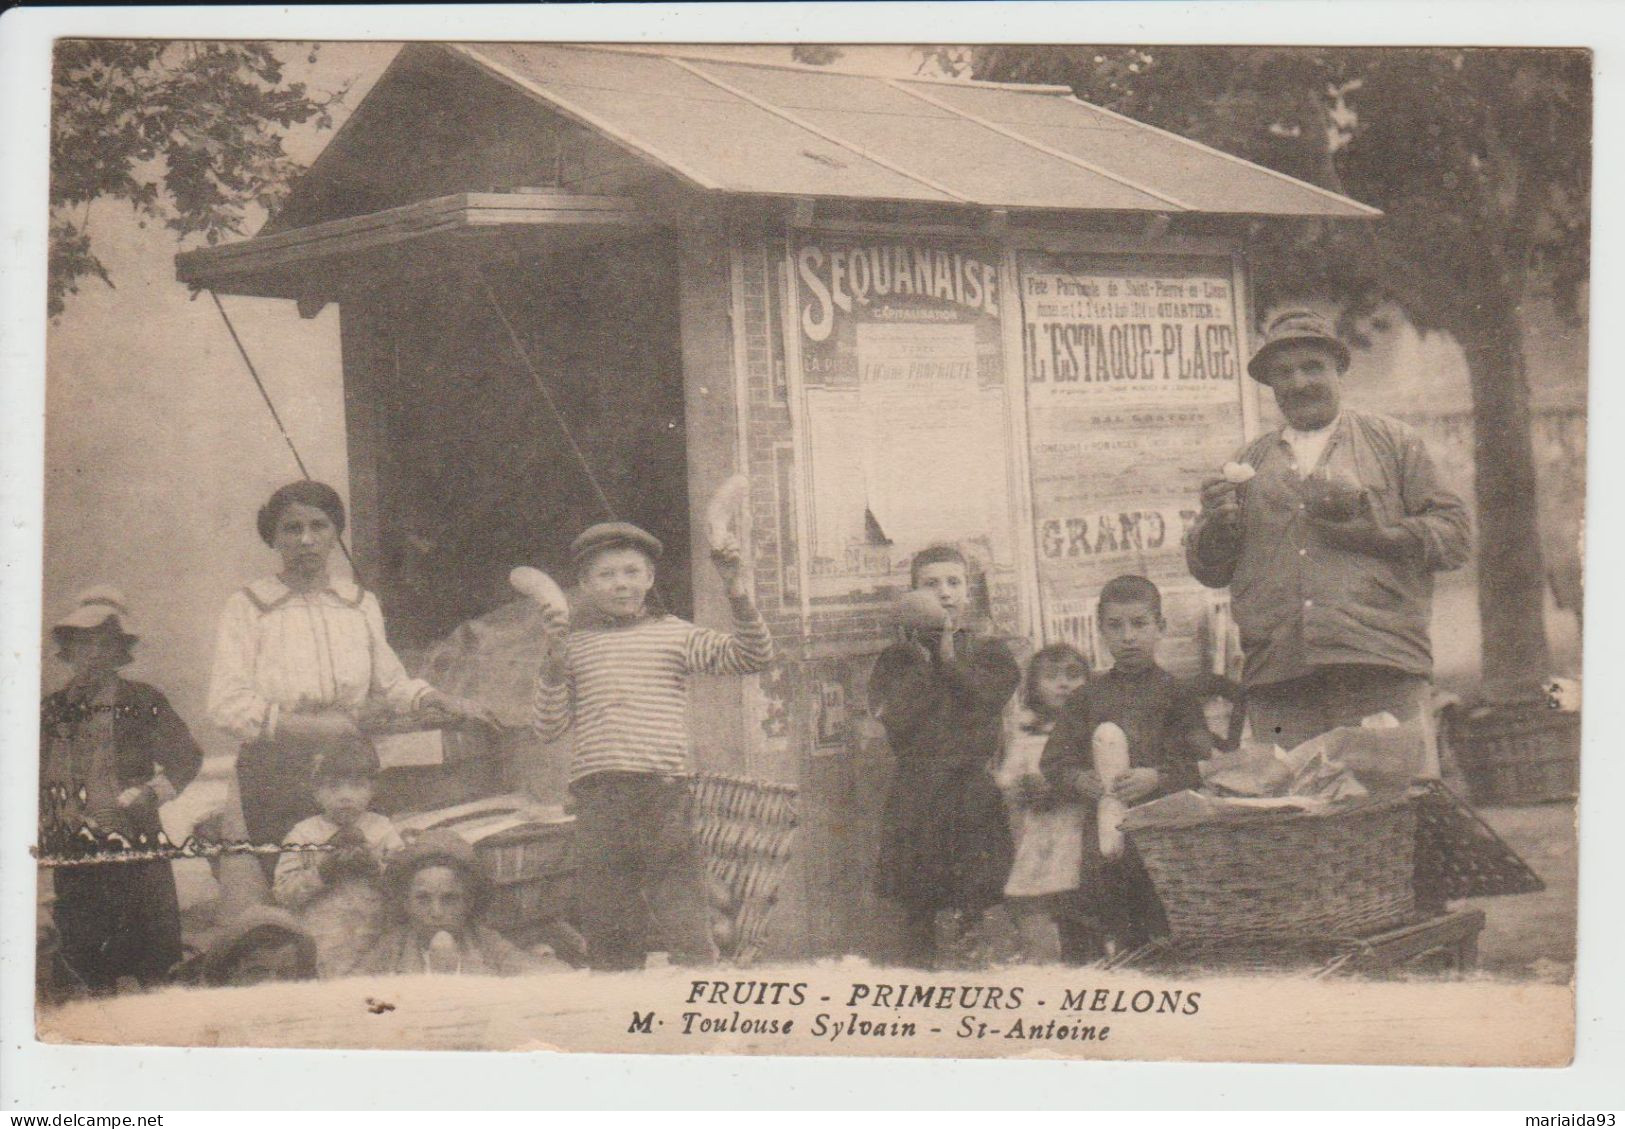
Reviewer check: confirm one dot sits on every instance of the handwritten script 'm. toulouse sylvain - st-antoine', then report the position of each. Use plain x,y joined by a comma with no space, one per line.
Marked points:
904,1011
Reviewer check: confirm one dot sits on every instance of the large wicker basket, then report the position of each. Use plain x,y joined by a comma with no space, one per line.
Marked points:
1526,753
1285,876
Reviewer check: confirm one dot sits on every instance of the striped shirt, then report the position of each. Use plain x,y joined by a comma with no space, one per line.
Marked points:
626,688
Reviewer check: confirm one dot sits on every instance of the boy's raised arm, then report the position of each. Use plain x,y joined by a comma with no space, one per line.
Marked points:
902,691
747,650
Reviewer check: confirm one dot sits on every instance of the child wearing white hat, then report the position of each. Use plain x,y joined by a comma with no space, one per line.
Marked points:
112,751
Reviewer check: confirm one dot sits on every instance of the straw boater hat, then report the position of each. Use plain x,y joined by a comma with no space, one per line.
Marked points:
94,607
1292,326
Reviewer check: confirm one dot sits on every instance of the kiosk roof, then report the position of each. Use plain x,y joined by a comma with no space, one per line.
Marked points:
787,130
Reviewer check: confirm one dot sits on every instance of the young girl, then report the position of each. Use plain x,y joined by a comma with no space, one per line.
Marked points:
939,692
111,752
1048,833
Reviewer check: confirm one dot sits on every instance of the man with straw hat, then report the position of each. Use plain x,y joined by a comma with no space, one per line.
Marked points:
1327,531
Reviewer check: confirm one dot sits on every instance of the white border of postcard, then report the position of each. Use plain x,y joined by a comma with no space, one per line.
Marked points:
41,1077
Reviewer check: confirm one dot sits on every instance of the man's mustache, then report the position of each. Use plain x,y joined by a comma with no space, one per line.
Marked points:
1307,396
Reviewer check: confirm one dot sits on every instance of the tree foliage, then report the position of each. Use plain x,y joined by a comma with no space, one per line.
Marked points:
189,134
1480,160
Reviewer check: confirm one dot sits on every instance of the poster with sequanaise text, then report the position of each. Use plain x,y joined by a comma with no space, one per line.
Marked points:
905,412
1134,373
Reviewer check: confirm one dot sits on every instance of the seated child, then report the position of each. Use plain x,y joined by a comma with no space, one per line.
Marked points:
1167,736
335,892
436,893
259,945
1048,835
940,693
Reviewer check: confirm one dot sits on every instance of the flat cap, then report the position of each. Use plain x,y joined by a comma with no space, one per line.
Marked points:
1291,326
614,535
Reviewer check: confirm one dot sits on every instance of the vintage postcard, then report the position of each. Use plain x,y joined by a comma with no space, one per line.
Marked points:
973,551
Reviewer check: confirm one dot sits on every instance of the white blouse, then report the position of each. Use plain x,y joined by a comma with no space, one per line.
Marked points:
284,650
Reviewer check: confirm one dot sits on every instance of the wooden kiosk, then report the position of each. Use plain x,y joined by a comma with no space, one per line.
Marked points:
909,310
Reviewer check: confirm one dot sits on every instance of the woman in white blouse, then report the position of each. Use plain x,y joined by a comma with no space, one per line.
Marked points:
301,657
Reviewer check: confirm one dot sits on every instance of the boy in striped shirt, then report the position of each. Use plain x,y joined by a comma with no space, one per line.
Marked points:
619,676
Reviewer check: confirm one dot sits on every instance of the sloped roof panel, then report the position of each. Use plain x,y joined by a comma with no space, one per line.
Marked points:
1206,179
702,132
975,162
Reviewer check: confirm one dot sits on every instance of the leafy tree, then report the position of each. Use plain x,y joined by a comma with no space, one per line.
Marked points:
186,133
1480,160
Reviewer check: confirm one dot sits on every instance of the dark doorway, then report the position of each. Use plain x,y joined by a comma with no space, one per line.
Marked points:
477,473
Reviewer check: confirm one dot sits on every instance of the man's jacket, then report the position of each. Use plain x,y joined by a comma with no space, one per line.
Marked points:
1303,603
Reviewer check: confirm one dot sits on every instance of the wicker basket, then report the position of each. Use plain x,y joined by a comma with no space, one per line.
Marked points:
1518,754
1285,877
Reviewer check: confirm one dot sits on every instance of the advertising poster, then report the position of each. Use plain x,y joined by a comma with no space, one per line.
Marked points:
904,403
1134,369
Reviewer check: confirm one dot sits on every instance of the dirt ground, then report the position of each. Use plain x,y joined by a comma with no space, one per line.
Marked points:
1531,936
1526,937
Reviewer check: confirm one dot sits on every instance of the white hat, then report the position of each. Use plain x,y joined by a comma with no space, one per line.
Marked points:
94,607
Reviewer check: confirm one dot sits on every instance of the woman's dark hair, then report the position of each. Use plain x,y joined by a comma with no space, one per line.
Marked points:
936,554
307,492
1056,654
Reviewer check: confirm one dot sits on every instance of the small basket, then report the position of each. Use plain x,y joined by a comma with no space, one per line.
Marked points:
747,830
1344,872
1526,753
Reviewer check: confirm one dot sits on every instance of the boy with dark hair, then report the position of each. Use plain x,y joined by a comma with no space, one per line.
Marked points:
940,692
1166,735
618,675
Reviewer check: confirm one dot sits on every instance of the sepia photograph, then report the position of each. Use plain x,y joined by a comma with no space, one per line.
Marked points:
995,550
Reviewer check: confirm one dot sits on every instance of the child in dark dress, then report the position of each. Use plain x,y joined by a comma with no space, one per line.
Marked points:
111,752
1167,737
939,693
